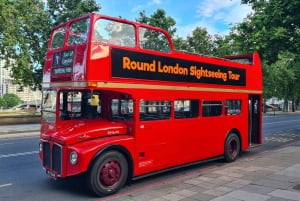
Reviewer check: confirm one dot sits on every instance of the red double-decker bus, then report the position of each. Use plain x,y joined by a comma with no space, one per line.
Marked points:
120,103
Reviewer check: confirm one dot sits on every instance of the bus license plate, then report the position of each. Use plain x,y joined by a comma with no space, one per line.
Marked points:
51,174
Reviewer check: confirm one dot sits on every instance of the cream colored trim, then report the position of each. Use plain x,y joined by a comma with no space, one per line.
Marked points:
149,86
65,84
164,87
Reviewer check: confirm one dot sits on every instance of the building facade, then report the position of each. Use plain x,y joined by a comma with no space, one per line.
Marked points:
6,86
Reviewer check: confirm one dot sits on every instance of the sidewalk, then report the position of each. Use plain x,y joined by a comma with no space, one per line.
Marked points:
269,176
19,130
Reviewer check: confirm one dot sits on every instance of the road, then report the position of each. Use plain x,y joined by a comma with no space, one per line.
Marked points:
23,179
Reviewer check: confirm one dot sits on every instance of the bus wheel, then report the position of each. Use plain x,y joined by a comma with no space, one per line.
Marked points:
108,174
232,147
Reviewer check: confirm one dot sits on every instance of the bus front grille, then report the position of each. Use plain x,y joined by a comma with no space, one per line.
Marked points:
52,156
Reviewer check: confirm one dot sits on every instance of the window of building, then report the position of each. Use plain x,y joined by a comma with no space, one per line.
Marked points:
212,108
233,107
122,109
186,108
155,110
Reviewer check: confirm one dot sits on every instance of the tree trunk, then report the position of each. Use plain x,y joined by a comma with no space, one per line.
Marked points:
293,105
285,105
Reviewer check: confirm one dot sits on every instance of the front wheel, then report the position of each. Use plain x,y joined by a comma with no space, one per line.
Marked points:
232,147
108,174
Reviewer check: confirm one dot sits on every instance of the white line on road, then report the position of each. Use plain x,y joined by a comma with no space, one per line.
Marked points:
281,122
18,154
6,144
5,185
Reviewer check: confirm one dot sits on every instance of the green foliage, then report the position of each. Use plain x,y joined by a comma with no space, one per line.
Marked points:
9,100
24,32
2,102
64,10
158,19
273,30
200,41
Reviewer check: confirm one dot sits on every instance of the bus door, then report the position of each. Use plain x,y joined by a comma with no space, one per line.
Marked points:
254,120
152,136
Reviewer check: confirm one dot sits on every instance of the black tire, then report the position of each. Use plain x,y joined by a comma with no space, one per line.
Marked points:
108,174
232,147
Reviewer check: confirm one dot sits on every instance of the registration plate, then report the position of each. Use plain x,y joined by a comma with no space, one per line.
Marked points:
51,174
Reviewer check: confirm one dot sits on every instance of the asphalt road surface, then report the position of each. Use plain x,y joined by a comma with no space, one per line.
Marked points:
22,177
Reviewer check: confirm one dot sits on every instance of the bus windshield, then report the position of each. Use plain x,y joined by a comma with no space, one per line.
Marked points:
78,34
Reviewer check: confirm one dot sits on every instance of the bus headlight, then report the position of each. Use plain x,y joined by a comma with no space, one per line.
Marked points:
73,157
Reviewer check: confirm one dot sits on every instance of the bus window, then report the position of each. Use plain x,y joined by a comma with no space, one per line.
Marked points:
58,37
115,33
49,105
155,110
233,107
79,31
122,109
153,40
79,105
212,108
186,108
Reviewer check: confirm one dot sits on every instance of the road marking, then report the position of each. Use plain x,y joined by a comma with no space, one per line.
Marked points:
281,122
6,143
18,154
5,185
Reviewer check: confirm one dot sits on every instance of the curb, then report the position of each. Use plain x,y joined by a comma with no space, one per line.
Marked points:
18,131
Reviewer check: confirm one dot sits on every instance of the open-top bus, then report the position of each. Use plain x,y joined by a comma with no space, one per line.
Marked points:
120,103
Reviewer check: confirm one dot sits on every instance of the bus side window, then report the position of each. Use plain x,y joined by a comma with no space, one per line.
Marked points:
155,110
186,108
233,107
212,108
153,40
122,109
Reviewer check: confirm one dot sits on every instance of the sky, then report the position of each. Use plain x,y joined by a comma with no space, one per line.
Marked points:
217,16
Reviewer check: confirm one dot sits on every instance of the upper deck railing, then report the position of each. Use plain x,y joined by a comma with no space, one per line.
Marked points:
96,48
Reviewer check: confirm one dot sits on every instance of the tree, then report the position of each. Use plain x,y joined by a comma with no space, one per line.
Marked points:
272,28
282,78
181,44
64,10
224,45
274,31
2,102
24,31
158,19
200,41
10,100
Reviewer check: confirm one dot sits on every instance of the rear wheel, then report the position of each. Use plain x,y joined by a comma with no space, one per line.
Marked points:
232,147
108,174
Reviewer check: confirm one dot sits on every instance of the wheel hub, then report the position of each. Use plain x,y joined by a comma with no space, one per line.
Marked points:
110,173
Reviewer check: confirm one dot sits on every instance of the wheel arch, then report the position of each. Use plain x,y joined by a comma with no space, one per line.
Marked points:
119,149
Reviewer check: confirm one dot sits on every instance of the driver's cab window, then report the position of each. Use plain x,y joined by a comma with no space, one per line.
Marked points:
80,105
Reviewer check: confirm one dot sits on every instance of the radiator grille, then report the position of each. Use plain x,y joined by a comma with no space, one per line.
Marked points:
52,156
